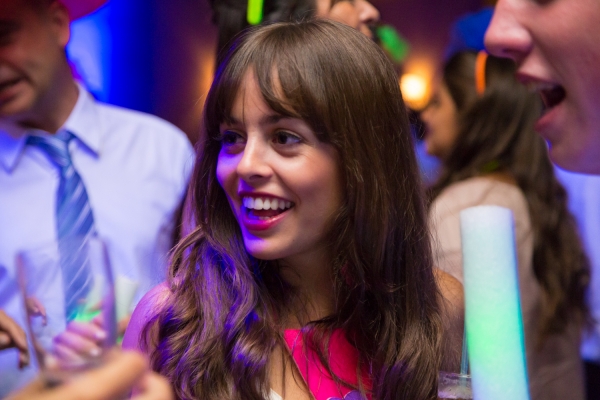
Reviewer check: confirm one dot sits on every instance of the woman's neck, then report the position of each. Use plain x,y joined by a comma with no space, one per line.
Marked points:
312,277
501,176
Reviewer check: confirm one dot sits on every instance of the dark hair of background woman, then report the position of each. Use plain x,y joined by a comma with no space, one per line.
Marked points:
221,324
496,135
230,17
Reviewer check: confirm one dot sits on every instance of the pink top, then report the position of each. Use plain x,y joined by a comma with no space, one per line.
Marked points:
343,360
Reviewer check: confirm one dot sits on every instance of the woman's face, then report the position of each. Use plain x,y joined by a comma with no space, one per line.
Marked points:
359,14
441,126
282,183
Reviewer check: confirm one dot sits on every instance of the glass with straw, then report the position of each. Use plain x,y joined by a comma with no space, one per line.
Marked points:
71,318
457,386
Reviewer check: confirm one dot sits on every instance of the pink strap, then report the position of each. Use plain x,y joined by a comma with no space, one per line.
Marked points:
343,359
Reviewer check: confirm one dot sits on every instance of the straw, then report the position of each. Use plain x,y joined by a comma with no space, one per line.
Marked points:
464,360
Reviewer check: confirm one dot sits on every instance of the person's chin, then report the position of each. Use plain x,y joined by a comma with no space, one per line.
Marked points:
260,248
580,159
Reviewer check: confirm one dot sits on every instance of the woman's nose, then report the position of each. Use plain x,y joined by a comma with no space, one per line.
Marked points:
253,165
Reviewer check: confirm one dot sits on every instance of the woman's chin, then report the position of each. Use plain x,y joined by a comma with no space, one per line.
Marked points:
261,251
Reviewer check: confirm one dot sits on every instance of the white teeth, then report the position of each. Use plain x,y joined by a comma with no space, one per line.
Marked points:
261,203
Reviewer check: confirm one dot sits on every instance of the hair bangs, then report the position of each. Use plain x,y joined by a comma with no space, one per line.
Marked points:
289,73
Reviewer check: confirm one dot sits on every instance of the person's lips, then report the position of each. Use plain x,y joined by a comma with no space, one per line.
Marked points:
552,96
9,88
8,83
552,119
551,93
262,211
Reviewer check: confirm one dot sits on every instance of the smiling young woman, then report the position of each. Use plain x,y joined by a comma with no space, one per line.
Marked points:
309,273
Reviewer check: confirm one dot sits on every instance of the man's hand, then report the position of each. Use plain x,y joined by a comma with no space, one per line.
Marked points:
122,373
12,335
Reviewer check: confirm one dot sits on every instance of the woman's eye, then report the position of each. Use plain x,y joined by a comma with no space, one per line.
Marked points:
229,138
283,137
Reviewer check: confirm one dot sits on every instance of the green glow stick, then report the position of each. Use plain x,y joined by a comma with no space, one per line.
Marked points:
493,314
395,45
86,316
255,12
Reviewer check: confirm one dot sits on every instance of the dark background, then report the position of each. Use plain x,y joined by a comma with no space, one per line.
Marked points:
162,51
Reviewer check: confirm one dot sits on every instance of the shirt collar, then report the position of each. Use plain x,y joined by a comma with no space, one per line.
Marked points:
83,122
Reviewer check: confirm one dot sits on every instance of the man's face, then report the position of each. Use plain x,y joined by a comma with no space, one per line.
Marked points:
358,14
556,46
32,43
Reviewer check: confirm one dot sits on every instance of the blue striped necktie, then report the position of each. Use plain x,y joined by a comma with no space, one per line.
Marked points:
74,221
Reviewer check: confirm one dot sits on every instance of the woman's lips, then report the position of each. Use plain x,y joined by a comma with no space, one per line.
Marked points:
261,220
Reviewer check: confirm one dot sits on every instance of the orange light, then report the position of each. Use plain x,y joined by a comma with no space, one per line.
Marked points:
415,90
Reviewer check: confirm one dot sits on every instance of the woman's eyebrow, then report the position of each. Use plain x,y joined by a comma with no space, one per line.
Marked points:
265,120
272,119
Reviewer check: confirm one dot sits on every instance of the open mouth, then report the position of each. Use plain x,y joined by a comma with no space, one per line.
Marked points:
262,208
552,97
551,94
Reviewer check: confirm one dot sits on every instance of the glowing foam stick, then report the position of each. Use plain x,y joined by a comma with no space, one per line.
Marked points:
255,12
493,313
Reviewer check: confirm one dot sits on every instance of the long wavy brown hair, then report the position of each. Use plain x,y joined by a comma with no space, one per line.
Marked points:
221,323
496,134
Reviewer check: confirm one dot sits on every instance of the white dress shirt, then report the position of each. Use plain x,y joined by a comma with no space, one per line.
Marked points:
135,168
584,203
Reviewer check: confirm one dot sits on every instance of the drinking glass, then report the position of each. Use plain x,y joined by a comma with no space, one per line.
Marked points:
454,386
68,295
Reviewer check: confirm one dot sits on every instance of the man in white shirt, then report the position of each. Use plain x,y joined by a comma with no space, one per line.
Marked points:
555,44
133,167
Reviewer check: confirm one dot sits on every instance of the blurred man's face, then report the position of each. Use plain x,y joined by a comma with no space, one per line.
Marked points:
359,14
32,50
557,47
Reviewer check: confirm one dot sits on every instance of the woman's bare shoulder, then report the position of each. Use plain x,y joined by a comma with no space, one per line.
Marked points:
451,289
453,316
146,309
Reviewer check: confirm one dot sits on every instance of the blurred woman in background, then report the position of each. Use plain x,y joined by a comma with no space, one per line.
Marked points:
480,125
